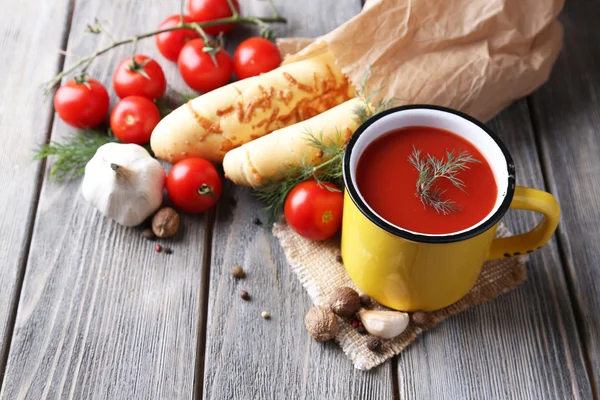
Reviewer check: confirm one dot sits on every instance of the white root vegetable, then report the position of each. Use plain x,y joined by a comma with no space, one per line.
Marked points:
124,183
262,159
216,122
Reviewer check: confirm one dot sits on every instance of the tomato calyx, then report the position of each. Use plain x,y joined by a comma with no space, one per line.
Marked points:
139,67
82,79
211,47
206,190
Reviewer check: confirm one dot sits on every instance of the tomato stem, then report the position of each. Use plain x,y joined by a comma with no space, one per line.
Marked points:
236,18
206,190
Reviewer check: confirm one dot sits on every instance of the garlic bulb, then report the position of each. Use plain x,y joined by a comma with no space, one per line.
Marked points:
384,324
124,183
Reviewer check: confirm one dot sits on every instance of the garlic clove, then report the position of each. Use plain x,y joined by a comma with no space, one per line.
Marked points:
384,324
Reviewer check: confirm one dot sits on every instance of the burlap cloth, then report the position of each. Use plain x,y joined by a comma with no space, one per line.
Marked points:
317,267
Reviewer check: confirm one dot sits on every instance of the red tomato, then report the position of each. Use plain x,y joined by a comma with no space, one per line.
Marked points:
198,69
313,210
142,77
208,10
133,119
255,56
170,43
194,185
82,105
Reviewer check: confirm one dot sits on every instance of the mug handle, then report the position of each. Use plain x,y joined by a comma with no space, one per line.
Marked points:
532,200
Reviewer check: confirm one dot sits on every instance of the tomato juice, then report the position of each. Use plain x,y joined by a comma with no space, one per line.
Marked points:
387,180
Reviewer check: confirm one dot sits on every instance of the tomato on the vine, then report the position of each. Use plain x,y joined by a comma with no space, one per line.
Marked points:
314,209
194,185
255,56
170,43
208,10
82,102
140,76
133,119
198,69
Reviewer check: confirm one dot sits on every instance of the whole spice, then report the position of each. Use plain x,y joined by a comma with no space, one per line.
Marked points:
257,221
265,315
158,248
373,344
238,272
124,183
361,329
339,259
420,318
244,295
384,324
148,234
321,323
168,250
165,222
345,302
365,301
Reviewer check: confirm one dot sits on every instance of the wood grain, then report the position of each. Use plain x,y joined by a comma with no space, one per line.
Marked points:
29,36
566,113
248,357
101,314
523,345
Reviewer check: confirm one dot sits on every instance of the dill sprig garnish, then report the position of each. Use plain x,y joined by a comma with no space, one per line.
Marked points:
274,191
431,169
73,152
367,109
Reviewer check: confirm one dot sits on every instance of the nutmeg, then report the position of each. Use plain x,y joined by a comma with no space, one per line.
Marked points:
345,302
165,222
321,323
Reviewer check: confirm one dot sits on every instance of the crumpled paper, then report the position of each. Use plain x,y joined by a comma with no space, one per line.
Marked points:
476,56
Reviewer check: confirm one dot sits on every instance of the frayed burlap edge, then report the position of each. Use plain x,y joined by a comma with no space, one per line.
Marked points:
316,265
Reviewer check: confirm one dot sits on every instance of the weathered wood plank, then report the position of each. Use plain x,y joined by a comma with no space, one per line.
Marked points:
248,357
566,113
30,34
101,314
523,345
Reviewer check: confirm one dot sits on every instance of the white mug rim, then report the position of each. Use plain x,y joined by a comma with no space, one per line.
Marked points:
482,226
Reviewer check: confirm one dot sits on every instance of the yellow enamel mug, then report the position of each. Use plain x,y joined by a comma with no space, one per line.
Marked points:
408,270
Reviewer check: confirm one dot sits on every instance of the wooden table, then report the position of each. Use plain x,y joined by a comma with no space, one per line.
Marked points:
89,310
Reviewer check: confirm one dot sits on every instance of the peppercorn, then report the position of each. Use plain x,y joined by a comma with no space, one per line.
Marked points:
373,344
244,295
168,250
420,318
361,329
158,248
238,272
354,323
148,234
339,259
365,301
265,315
257,221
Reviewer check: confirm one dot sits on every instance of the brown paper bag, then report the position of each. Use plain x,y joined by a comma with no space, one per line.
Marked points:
476,56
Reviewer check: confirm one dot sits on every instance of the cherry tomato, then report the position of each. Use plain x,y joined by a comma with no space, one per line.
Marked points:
141,76
82,104
133,119
313,210
255,56
194,185
198,69
208,10
170,43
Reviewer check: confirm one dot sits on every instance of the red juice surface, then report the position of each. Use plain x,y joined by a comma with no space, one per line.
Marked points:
387,181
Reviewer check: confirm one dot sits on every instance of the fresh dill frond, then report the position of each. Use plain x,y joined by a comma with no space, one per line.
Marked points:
431,169
368,108
72,153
